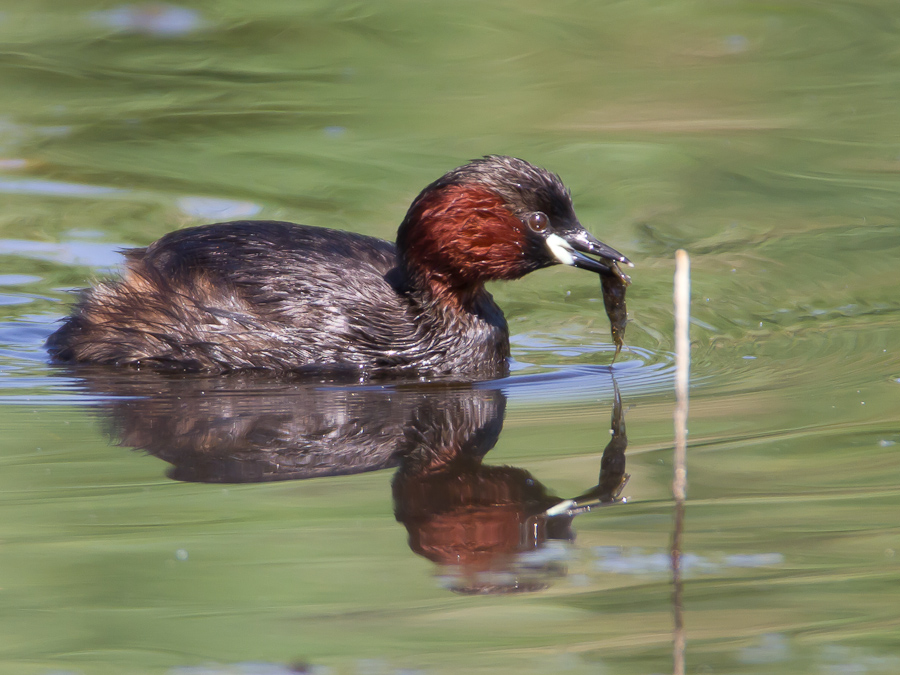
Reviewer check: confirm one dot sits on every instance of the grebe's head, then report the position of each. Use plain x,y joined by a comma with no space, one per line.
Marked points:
496,218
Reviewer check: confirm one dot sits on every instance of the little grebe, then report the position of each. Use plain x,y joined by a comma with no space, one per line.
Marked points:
279,296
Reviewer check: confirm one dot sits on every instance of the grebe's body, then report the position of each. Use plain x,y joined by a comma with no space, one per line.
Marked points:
278,296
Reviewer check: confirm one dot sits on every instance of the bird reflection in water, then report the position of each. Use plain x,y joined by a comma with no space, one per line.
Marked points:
486,526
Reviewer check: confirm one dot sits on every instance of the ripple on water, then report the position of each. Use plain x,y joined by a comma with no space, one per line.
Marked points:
636,371
24,375
18,279
56,188
639,562
23,366
8,300
252,668
99,255
152,18
217,209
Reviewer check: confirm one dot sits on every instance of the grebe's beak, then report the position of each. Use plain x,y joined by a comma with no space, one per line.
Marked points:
570,242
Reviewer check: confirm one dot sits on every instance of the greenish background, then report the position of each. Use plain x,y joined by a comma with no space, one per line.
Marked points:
763,137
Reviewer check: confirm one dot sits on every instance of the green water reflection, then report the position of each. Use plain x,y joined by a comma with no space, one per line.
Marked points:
763,138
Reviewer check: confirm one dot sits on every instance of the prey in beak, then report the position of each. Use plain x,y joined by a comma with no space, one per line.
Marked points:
569,244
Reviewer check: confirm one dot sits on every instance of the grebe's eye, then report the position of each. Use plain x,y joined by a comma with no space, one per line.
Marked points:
538,221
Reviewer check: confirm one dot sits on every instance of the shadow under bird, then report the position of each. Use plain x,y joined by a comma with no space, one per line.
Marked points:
283,297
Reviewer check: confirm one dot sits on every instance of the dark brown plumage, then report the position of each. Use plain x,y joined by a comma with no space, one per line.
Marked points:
285,297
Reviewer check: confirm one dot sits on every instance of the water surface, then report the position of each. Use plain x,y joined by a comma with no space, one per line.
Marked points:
761,138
